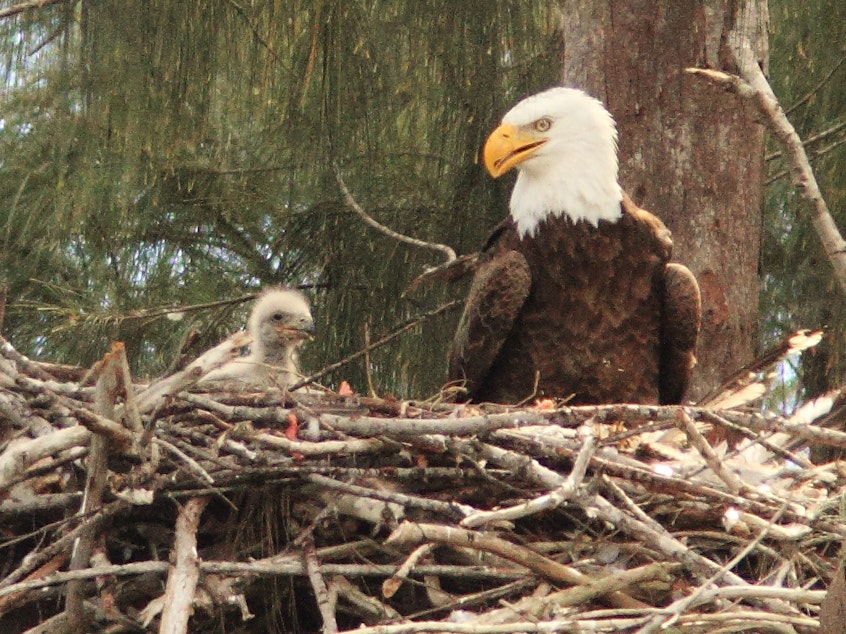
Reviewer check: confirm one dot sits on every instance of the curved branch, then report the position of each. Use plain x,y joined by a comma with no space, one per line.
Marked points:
448,252
753,85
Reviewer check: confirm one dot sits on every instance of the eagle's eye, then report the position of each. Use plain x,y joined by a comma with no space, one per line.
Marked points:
542,125
277,316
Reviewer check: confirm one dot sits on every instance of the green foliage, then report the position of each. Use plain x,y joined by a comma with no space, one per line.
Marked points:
808,73
163,154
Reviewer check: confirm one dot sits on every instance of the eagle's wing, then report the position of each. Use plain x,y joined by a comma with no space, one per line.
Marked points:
680,317
499,290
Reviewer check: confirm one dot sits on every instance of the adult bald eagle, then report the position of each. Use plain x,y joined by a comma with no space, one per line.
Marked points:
575,295
279,323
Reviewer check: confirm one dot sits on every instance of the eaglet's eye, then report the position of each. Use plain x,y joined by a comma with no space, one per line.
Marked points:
542,125
277,316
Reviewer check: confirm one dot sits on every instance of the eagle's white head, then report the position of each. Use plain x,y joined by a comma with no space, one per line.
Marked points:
563,142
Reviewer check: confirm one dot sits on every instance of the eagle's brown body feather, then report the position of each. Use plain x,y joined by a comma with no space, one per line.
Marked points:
596,312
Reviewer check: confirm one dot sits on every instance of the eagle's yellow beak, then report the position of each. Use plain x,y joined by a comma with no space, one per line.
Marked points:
507,147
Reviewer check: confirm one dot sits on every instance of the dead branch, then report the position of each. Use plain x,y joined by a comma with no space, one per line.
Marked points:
185,571
28,6
409,534
753,85
325,599
448,252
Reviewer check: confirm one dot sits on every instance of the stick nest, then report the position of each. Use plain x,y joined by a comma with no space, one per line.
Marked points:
128,507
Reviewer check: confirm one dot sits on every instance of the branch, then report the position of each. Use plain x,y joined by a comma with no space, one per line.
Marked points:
27,6
411,534
551,500
448,252
753,85
325,598
185,571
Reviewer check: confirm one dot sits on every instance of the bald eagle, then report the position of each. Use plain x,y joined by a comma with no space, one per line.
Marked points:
279,323
575,295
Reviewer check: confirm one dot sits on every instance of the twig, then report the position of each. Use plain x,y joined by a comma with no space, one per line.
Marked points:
816,88
185,570
410,533
405,327
452,510
675,610
21,454
155,394
95,483
391,585
734,484
448,252
551,500
27,6
193,465
325,600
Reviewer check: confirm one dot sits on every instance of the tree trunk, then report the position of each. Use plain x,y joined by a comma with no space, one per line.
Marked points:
689,152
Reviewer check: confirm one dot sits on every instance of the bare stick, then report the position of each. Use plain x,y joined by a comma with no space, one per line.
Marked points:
391,585
550,500
734,484
155,394
678,607
27,6
95,483
448,252
754,85
409,534
185,571
325,600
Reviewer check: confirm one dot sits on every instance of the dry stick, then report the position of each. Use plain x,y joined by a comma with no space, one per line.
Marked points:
193,465
537,607
664,542
157,392
37,558
185,571
408,325
19,456
752,84
26,6
410,533
391,585
287,566
448,252
557,625
450,509
371,605
95,483
325,599
551,500
675,610
734,484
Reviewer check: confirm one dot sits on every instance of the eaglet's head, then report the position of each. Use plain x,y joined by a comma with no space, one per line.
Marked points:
280,319
563,143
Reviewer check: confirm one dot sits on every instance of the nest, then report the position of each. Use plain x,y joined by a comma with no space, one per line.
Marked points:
129,507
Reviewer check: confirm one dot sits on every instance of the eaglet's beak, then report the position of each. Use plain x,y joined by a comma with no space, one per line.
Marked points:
507,147
302,329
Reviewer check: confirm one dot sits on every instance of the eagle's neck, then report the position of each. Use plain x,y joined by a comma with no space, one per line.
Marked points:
579,191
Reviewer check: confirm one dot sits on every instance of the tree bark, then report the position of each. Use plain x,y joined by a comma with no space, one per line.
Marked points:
689,152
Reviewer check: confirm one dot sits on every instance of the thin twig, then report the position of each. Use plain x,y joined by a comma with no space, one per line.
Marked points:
405,327
27,6
447,251
325,599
